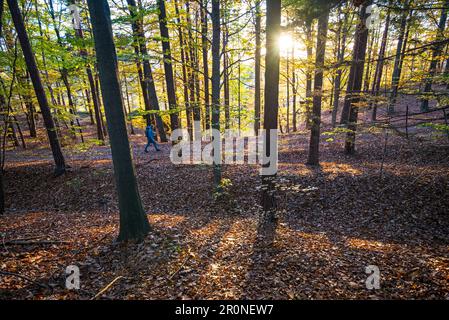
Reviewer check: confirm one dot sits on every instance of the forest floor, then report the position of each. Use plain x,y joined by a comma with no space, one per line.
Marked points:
388,209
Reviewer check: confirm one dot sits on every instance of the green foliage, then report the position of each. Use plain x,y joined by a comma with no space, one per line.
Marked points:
436,126
87,145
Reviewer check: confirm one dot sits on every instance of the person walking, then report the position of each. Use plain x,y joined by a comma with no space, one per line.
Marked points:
149,133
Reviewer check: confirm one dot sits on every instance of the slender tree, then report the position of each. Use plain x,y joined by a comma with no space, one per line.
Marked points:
436,53
38,87
148,86
397,69
216,37
184,71
257,69
341,50
205,46
271,100
380,63
134,224
314,145
90,77
168,65
353,92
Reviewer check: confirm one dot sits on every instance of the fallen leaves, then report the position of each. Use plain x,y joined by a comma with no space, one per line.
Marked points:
334,221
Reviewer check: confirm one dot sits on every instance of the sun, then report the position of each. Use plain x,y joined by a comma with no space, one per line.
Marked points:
285,43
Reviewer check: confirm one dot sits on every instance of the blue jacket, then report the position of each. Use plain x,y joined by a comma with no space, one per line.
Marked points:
149,133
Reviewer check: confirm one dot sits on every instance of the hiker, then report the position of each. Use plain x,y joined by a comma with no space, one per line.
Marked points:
149,133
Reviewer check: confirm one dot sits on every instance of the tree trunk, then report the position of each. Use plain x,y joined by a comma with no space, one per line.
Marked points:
134,224
436,53
149,86
204,43
168,65
65,78
184,73
257,69
128,102
294,111
380,64
309,48
271,98
226,76
83,53
193,81
38,87
216,39
355,83
288,92
341,38
396,77
314,146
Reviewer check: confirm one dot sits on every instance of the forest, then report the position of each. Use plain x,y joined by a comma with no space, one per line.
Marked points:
224,149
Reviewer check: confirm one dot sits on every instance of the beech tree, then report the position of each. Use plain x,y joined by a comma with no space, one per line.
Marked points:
147,80
314,145
134,224
353,91
168,65
38,87
436,53
271,100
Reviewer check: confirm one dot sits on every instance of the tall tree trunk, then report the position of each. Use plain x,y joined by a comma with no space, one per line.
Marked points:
341,50
65,77
204,43
38,87
168,65
271,98
149,86
257,69
193,72
314,146
436,53
309,48
396,77
216,39
295,91
128,102
134,224
355,83
79,34
288,91
380,64
226,70
184,72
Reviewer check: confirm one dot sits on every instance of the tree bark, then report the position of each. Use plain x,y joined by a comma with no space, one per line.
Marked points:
216,39
314,146
134,224
436,53
149,86
168,65
271,98
341,38
184,73
83,53
397,70
309,48
257,82
355,83
380,64
38,87
205,46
